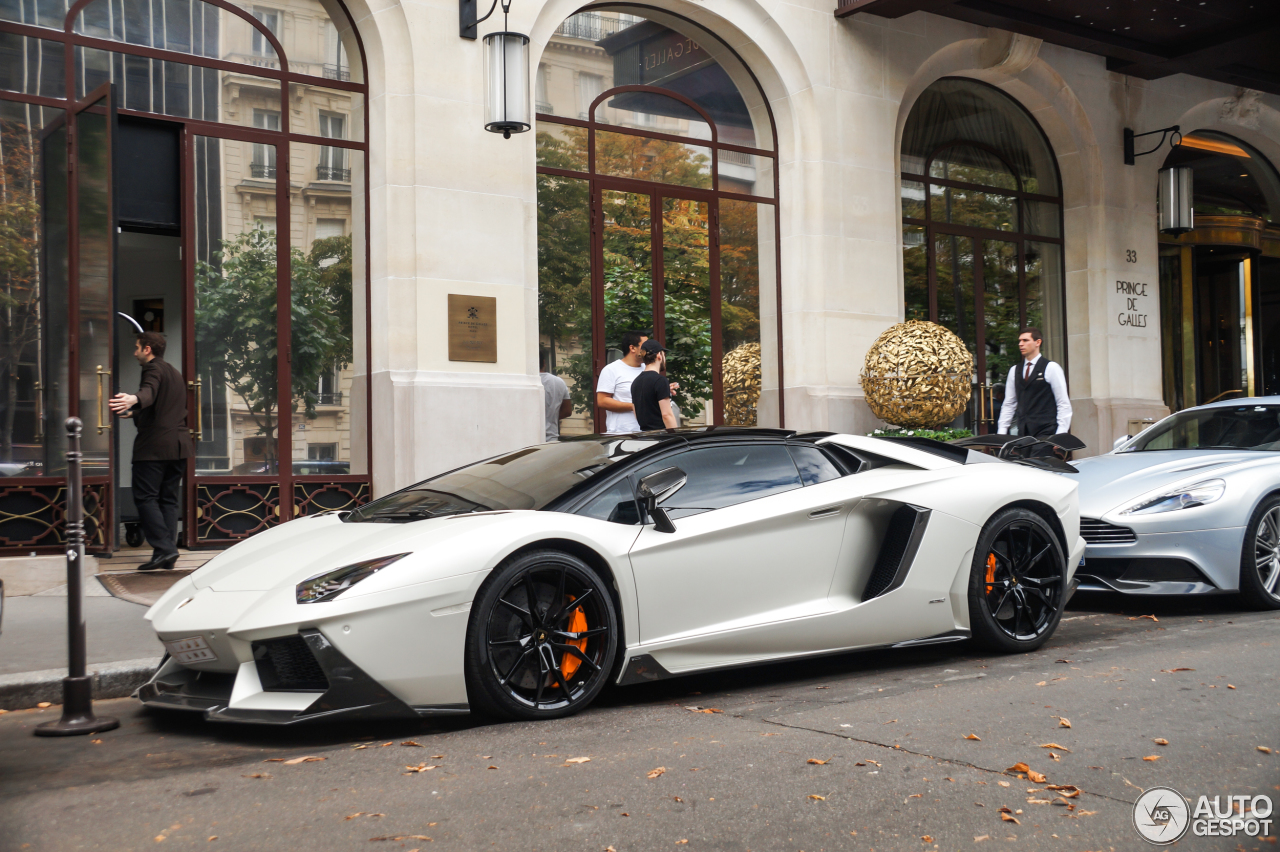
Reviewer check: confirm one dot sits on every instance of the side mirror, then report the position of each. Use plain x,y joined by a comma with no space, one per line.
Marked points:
1120,442
659,486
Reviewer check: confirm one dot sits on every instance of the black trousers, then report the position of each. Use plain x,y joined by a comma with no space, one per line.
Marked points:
156,489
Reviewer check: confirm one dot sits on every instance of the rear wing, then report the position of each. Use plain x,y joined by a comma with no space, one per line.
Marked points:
1045,453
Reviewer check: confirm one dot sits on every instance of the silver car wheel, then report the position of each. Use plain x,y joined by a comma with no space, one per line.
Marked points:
1266,551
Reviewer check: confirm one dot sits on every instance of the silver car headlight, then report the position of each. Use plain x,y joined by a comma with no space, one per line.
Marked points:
1181,498
330,584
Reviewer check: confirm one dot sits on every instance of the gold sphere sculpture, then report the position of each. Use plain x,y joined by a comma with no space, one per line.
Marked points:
918,375
741,372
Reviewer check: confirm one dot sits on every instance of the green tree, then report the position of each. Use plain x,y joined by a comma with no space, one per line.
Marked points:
236,324
19,268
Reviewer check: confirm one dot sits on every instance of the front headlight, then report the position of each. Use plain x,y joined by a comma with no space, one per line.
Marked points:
1182,498
330,584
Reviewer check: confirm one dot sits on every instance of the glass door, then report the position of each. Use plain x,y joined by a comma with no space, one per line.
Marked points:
92,267
658,273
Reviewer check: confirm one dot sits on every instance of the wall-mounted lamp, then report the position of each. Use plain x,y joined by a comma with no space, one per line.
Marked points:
506,71
1130,136
1177,216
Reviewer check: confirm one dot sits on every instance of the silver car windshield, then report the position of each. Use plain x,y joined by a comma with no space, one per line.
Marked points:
526,479
1242,427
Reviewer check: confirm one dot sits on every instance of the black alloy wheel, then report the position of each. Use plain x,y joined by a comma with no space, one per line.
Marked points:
542,638
1017,587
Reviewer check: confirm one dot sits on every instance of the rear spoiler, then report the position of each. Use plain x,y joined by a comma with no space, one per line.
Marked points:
1046,453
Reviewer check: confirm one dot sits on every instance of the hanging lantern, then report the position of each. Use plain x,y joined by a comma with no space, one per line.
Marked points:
506,83
1177,216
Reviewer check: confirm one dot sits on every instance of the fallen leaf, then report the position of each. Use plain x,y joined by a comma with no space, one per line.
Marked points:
974,737
1042,683
1031,773
1056,746
915,796
656,772
891,721
817,762
96,742
357,748
681,842
926,838
360,814
859,763
1067,791
1032,800
1180,669
212,838
44,704
817,797
694,708
294,761
1140,617
421,767
1231,686
384,745
678,799
1152,757
1264,749
412,743
1053,756
577,760
1063,721
978,838
1086,813
256,775
610,849
400,837
1003,783
822,687
1160,741
1007,817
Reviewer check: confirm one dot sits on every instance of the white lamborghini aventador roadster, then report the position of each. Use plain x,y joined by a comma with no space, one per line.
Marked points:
521,585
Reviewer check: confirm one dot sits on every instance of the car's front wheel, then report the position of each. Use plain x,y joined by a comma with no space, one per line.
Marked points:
1017,584
1260,559
541,638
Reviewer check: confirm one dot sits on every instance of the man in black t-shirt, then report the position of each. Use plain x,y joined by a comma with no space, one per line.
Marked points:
650,391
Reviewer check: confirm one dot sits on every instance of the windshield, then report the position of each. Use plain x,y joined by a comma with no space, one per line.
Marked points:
1242,427
526,479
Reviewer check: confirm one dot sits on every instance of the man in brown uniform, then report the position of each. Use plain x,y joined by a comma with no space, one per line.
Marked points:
160,451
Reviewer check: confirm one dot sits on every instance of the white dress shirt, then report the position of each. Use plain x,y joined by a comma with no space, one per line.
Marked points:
1057,380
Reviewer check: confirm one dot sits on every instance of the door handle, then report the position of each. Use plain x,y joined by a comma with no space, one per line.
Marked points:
824,513
198,432
104,420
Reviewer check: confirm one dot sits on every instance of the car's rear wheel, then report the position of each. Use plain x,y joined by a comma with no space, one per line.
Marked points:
1017,584
1260,558
541,639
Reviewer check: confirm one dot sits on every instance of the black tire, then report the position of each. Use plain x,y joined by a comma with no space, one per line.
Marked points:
133,535
519,660
1017,584
1260,557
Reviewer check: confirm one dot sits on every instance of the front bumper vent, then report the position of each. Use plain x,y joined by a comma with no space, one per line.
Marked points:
287,665
1094,531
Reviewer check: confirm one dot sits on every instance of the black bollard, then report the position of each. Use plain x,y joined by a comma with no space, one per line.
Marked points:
77,686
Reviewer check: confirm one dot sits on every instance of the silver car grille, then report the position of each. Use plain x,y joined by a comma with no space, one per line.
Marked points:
1094,531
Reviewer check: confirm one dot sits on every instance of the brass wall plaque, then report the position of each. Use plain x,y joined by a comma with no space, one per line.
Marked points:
473,328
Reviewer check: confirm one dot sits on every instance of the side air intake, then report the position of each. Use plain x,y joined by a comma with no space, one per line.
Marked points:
897,551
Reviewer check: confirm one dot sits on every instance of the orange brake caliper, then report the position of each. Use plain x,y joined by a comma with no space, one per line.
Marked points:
569,663
991,571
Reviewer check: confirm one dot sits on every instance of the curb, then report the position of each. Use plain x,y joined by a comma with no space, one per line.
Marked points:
110,680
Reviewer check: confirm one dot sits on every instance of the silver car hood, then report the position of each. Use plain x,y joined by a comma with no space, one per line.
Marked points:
1114,480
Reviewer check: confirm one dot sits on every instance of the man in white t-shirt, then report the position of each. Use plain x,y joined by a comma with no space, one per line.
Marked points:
556,395
613,390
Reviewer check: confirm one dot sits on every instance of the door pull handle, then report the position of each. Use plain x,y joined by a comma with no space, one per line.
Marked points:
198,432
824,513
104,421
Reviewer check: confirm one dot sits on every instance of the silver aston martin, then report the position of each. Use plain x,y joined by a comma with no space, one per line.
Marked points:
1189,506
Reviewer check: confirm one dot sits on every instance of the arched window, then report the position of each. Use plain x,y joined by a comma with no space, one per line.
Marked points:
213,154
982,230
657,212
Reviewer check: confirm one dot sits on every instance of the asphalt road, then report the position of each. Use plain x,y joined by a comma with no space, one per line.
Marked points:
916,746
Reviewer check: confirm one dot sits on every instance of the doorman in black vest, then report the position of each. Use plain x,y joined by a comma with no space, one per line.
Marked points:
1036,399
